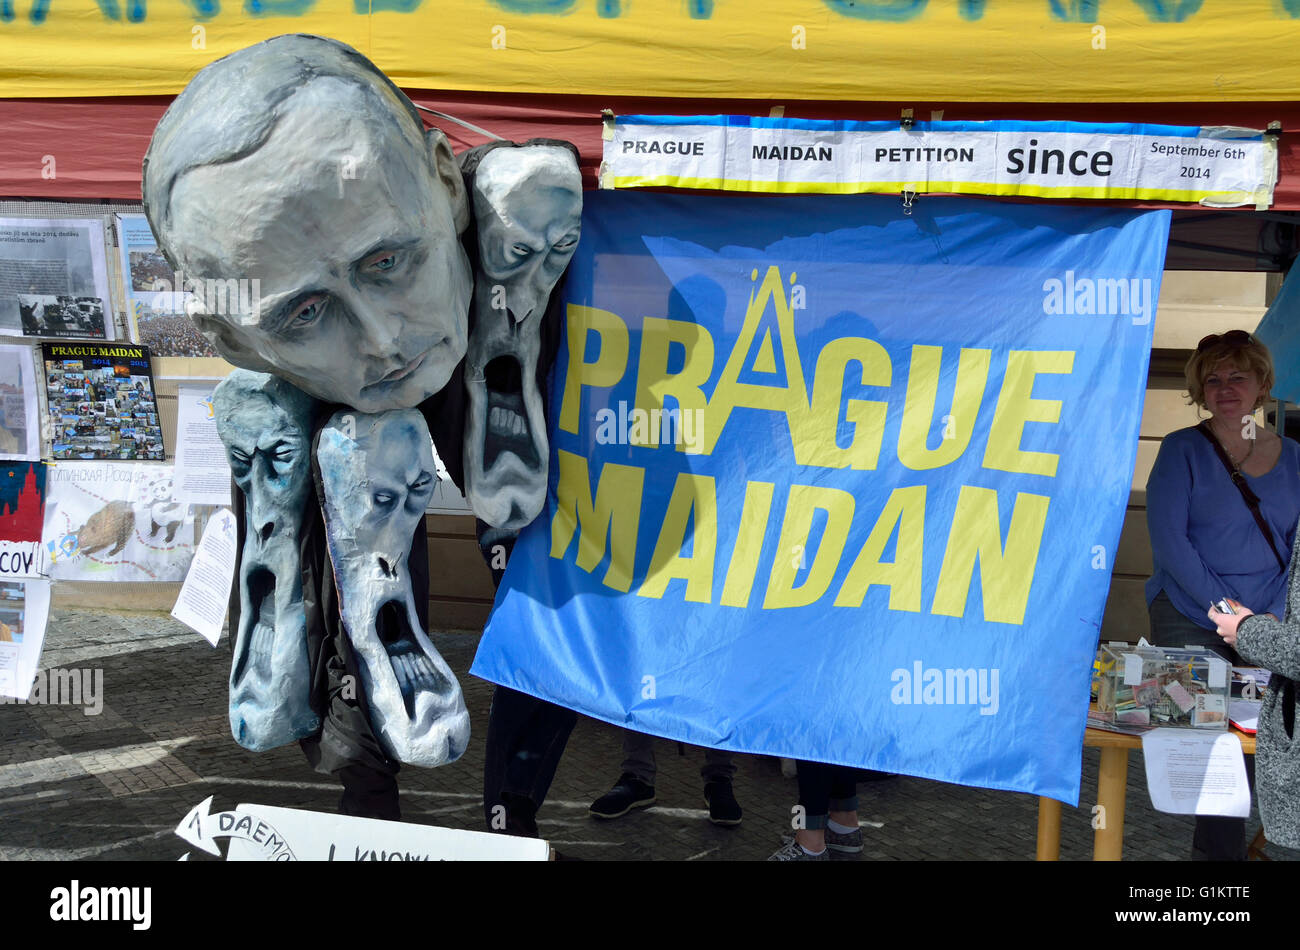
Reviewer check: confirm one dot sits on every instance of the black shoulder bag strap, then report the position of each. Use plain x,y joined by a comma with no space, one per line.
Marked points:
1238,479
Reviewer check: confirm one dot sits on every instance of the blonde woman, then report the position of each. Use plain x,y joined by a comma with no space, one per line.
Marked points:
1222,504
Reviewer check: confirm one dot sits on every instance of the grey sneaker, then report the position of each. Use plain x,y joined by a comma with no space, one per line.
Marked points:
790,851
844,845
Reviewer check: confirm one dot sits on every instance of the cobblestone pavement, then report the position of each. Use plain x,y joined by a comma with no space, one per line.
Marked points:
114,785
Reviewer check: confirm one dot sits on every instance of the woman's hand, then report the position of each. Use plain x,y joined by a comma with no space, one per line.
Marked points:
1226,624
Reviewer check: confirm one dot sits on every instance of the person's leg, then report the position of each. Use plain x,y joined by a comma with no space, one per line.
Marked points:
368,793
639,756
843,836
815,800
843,804
1216,838
507,719
717,771
719,766
551,730
635,786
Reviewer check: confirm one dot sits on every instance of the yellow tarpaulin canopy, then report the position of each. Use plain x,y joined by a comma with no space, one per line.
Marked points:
945,50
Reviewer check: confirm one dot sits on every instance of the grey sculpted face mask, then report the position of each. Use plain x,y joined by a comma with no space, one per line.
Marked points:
265,425
528,208
312,217
377,475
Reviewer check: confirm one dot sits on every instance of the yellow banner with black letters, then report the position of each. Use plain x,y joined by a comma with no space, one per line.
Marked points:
936,50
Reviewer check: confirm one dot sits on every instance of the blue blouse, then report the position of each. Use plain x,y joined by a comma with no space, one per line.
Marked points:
1204,540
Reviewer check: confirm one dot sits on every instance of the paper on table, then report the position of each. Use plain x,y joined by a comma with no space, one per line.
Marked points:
1196,773
1257,673
202,470
24,610
201,605
1253,679
1244,714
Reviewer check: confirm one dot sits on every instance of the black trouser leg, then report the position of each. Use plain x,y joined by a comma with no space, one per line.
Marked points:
368,793
526,738
823,788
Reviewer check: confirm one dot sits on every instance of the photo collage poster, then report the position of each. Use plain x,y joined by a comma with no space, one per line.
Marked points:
101,402
54,279
155,305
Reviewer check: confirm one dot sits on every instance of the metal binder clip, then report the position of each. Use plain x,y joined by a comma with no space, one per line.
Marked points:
909,197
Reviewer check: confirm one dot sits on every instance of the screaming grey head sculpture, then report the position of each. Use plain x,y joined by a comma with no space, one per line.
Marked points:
528,211
377,475
265,425
296,167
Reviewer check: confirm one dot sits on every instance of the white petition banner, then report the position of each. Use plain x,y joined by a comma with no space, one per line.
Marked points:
1213,166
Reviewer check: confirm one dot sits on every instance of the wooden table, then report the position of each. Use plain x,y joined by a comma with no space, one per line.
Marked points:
1112,784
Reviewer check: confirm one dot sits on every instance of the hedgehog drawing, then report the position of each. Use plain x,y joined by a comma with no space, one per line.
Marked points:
110,527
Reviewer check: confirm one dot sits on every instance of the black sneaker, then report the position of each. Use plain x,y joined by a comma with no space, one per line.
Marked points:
723,808
629,793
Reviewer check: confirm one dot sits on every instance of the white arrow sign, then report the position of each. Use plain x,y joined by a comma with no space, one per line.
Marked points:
201,829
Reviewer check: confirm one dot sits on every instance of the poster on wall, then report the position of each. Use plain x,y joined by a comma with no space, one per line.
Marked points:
53,278
101,402
202,470
156,305
20,431
22,518
24,610
114,522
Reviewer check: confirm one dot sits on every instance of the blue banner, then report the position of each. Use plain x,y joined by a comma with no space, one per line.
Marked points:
1279,330
833,482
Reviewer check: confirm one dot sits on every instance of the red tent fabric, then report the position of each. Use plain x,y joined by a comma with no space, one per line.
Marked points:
97,144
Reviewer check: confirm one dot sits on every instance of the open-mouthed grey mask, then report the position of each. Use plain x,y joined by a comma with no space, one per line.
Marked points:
265,425
528,210
377,475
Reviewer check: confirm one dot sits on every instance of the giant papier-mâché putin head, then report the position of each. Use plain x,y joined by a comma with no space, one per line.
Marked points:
297,164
